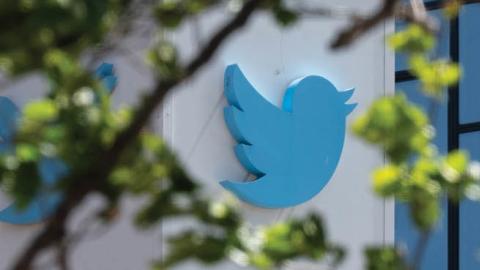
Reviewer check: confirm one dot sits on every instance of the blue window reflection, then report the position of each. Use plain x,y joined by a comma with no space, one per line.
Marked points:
470,213
469,32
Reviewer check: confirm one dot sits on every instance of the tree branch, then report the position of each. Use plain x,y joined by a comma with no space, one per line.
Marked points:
360,26
324,12
406,13
62,256
87,182
414,12
420,249
134,12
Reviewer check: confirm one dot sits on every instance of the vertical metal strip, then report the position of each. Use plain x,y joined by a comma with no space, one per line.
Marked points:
389,76
453,143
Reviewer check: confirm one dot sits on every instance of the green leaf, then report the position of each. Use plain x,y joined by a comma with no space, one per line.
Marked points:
413,39
396,125
27,152
26,184
284,16
424,209
435,76
452,8
387,180
455,166
385,258
41,111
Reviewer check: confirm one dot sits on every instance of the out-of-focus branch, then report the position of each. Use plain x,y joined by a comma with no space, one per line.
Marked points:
420,250
405,13
62,256
135,11
360,25
89,181
418,9
323,12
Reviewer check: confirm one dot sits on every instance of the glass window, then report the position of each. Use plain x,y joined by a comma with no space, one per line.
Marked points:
470,60
470,213
442,48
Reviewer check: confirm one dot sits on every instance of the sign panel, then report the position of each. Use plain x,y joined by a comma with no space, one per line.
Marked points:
270,59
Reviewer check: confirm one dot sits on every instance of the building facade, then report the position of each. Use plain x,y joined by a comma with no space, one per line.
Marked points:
191,121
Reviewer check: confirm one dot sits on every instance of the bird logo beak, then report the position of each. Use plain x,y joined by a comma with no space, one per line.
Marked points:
345,96
349,108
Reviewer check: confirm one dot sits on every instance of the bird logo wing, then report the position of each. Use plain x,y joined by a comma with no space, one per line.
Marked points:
262,130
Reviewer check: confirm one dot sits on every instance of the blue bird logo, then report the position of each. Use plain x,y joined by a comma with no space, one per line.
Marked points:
293,151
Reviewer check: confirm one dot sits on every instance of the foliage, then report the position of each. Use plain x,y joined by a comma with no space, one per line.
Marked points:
416,174
434,75
223,234
31,29
172,13
399,127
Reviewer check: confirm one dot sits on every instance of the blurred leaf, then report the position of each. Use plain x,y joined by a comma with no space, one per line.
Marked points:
171,13
41,111
282,14
384,258
452,8
413,39
456,164
435,76
399,127
424,209
387,180
26,184
27,152
163,57
30,29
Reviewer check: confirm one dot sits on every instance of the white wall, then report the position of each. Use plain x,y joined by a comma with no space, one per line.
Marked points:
192,122
271,58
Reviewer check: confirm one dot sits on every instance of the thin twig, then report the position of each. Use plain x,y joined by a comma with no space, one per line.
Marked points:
324,12
418,9
420,249
360,26
62,255
133,13
406,13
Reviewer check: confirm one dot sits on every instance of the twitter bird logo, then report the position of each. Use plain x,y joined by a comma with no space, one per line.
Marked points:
293,151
